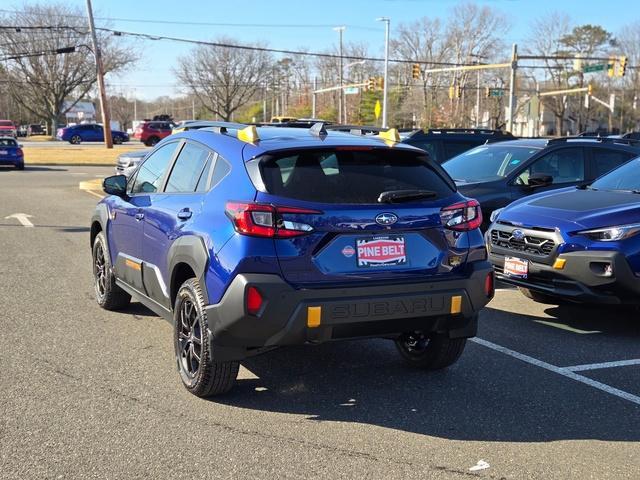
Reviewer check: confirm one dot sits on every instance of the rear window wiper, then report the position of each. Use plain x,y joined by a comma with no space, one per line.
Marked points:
397,196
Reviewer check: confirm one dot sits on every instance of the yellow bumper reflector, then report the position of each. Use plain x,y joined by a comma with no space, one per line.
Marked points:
456,304
132,264
559,263
313,316
390,135
249,134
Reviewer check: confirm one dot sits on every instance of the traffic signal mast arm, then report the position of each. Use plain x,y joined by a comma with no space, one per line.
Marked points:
562,92
464,68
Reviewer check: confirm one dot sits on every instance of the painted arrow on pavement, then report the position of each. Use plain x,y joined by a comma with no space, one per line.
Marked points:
23,218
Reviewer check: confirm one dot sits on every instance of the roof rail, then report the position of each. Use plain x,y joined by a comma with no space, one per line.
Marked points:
474,131
355,129
624,141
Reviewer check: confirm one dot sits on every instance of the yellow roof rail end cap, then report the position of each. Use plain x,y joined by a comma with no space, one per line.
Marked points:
249,134
390,135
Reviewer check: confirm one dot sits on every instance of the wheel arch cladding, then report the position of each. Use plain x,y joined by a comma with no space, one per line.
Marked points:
187,255
98,221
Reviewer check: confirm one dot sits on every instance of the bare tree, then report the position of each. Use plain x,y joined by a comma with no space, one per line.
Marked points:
629,41
224,79
42,83
121,110
546,40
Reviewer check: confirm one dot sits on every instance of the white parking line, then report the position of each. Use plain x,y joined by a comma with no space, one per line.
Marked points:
565,372
562,326
596,366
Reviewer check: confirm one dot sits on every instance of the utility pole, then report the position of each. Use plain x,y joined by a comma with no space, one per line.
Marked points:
512,88
104,106
341,109
313,97
387,21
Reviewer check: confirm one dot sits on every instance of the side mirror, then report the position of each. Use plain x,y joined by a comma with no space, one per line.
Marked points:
539,180
115,185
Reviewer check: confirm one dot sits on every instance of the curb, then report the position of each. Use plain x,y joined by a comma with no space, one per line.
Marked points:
93,187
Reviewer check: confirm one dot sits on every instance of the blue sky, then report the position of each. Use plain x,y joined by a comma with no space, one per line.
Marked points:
153,76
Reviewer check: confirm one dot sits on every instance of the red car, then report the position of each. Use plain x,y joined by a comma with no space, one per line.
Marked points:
7,128
152,132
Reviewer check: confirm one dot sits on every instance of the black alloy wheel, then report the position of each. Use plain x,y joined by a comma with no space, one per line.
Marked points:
189,338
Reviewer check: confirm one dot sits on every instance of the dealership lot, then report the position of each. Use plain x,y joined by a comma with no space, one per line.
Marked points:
545,391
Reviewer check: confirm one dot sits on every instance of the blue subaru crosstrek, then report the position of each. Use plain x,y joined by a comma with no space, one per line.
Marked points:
252,238
11,153
580,244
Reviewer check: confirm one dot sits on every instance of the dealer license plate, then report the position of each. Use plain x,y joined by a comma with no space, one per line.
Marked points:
381,251
516,267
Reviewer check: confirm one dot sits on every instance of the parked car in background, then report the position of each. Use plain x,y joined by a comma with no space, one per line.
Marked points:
128,162
497,174
22,131
151,132
11,153
36,129
89,132
7,129
256,238
580,243
443,144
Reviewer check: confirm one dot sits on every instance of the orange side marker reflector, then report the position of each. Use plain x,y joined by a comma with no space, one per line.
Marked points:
132,264
313,316
559,263
456,304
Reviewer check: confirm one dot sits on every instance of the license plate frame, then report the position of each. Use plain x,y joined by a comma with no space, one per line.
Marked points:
516,267
381,251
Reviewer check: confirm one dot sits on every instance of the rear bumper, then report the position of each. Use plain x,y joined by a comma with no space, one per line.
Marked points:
15,161
582,279
356,312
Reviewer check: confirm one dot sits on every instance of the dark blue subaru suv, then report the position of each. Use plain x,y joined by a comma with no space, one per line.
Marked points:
580,243
252,238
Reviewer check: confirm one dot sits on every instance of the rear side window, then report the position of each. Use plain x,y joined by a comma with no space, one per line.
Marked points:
187,169
350,175
605,160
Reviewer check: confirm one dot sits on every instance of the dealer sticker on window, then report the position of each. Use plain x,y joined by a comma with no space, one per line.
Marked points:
516,267
381,251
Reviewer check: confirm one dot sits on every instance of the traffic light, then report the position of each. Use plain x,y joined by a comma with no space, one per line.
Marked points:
415,71
371,84
622,68
487,92
611,67
589,89
458,91
380,83
452,92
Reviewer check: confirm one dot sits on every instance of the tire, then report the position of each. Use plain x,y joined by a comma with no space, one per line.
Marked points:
75,140
200,375
432,352
539,297
151,141
117,140
108,295
20,166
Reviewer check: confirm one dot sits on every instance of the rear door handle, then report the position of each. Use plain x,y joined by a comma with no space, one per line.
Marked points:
139,216
185,214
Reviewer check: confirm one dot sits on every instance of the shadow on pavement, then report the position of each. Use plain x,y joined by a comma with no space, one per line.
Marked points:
486,396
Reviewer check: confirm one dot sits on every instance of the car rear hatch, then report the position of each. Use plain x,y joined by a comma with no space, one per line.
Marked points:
354,214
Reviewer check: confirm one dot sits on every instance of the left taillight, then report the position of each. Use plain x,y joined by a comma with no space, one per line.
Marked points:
19,152
264,220
462,217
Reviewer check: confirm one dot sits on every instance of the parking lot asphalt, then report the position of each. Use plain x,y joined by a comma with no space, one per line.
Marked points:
87,393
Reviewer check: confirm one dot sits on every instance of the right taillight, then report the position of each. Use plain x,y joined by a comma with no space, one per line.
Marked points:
264,220
462,217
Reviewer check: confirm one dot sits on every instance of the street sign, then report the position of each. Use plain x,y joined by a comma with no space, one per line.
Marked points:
351,90
598,67
496,92
377,109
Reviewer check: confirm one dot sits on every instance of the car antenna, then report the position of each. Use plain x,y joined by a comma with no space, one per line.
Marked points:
318,130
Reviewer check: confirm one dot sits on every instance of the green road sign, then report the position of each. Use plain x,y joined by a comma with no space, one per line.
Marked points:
598,67
496,92
351,90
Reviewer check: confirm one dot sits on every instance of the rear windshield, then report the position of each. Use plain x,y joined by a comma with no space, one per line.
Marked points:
7,142
351,175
